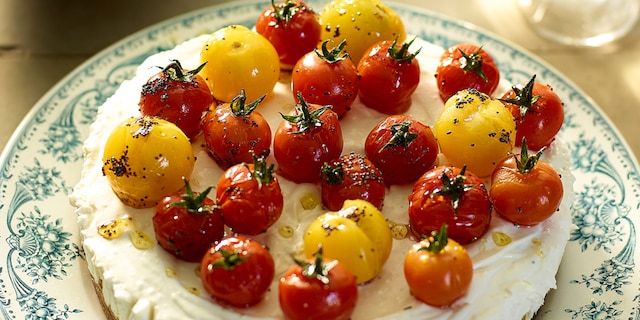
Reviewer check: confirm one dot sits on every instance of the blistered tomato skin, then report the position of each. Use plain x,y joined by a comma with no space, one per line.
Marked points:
293,29
402,148
352,176
449,195
538,111
362,23
466,66
177,95
475,131
146,158
240,59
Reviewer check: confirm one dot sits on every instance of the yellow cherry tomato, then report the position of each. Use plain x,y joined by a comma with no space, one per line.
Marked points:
362,23
239,58
342,239
475,130
146,158
371,221
358,235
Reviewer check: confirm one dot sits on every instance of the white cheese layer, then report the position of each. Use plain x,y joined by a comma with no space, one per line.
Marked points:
509,282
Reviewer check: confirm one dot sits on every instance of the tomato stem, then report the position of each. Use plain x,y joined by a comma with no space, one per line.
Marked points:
333,175
240,108
230,259
525,163
401,136
454,188
261,172
317,269
285,11
524,97
335,54
191,202
305,119
436,241
174,71
402,53
473,63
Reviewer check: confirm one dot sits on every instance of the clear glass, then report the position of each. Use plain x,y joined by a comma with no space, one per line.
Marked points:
587,23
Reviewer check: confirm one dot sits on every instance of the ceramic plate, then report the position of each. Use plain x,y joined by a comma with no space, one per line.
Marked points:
43,275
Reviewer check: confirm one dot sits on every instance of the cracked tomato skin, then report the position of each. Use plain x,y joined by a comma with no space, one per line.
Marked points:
300,155
429,210
177,95
526,199
235,138
405,162
246,281
248,206
456,72
291,36
185,234
541,121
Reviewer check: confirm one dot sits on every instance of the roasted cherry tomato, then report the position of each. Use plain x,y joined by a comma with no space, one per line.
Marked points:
524,189
237,271
146,158
240,59
476,131
307,137
538,111
389,76
293,29
453,196
466,66
250,197
326,77
362,23
187,223
352,176
402,148
438,270
234,132
177,95
358,224
319,289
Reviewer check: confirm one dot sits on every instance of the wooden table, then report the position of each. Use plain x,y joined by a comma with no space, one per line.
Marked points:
42,41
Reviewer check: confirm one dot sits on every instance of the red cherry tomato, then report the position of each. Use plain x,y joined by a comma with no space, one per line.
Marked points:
352,176
452,196
319,289
178,96
525,190
389,76
249,197
293,29
307,138
237,271
438,270
326,78
538,111
466,66
402,148
187,223
234,132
